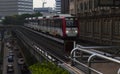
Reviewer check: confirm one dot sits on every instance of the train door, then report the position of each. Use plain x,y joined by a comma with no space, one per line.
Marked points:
57,31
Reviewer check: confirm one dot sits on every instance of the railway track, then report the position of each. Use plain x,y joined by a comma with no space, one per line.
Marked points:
46,43
60,60
48,46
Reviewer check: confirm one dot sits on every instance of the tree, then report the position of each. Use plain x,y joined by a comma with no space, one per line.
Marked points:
18,19
47,68
37,14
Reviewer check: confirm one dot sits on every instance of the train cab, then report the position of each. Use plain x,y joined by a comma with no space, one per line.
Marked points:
69,25
62,25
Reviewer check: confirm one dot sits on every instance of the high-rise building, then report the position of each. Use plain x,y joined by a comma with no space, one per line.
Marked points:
65,6
73,7
62,6
58,6
13,7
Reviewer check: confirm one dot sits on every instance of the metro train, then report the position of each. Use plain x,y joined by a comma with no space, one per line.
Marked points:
63,25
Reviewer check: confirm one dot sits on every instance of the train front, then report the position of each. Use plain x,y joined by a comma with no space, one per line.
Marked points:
71,27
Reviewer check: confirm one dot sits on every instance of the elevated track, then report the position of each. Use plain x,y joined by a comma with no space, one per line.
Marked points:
47,54
51,48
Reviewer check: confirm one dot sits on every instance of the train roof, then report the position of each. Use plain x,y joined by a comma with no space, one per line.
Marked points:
48,16
51,16
26,18
40,17
34,18
63,15
30,18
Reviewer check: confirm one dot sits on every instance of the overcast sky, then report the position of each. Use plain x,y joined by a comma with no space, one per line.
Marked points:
38,3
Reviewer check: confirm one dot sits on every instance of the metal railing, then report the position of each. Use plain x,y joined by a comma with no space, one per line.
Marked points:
93,54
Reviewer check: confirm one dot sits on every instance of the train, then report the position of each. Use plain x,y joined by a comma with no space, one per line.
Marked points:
62,25
101,27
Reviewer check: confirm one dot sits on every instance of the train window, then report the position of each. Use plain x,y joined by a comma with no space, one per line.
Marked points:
58,22
71,22
48,22
45,22
55,23
52,23
33,22
38,22
41,22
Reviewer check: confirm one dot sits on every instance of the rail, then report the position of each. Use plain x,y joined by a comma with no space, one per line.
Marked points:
46,54
93,54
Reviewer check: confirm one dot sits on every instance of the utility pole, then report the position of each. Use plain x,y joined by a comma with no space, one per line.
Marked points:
43,3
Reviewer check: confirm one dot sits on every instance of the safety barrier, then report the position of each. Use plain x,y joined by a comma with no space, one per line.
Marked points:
93,54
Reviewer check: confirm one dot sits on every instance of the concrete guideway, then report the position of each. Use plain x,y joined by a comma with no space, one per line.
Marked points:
72,69
36,48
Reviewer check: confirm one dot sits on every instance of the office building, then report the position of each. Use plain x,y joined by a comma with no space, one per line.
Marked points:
15,7
73,7
58,6
65,6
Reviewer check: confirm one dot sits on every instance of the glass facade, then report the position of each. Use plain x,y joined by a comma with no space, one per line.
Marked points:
58,6
13,7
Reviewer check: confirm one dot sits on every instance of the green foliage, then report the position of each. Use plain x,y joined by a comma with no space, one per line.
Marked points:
37,14
47,68
18,19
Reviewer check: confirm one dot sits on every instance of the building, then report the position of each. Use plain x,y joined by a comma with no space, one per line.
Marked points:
93,6
58,6
65,6
14,7
62,6
72,8
44,9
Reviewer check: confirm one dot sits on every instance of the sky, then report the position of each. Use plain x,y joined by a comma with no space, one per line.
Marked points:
38,3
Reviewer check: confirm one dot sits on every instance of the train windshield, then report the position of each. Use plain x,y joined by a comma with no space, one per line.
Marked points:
71,22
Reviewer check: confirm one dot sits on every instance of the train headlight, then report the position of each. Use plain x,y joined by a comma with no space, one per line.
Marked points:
76,31
67,31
